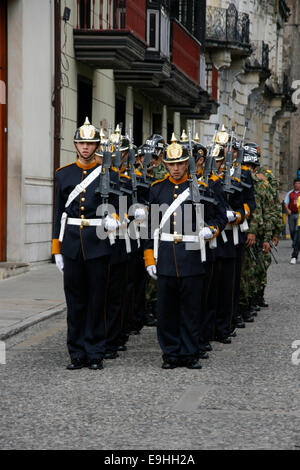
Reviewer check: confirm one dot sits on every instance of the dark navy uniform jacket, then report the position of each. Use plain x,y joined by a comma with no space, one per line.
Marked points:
234,202
173,258
78,239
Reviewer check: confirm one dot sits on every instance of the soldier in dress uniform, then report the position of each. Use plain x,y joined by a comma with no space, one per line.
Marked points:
80,255
247,239
215,189
225,265
179,271
157,170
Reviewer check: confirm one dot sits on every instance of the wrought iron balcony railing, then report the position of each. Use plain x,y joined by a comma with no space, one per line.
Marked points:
259,59
227,25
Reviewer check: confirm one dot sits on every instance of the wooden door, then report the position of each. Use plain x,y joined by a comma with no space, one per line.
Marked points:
3,127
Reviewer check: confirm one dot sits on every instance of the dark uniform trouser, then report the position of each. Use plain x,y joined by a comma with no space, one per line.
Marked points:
225,303
134,310
178,316
208,310
237,281
115,304
85,285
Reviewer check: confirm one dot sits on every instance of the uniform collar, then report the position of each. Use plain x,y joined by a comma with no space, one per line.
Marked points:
182,180
86,167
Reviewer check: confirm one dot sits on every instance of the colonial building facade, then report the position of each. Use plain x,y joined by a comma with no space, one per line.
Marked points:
153,65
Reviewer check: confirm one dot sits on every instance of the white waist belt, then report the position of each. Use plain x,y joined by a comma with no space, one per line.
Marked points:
235,229
84,222
174,237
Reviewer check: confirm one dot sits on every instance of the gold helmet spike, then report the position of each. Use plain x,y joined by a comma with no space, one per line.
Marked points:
196,138
184,137
173,138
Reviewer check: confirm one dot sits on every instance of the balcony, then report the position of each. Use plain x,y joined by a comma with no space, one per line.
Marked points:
279,87
147,49
110,34
227,28
259,59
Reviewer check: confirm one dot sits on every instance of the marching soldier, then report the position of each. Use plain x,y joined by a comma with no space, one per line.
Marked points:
80,255
179,270
215,189
227,251
157,170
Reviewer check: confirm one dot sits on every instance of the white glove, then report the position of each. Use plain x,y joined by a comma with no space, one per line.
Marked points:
230,216
140,214
59,261
151,270
111,224
207,233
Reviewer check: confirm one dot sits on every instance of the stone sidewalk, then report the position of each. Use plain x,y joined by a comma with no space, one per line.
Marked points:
29,298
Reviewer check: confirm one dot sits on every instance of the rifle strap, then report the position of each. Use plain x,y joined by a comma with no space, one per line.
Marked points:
73,195
181,198
83,185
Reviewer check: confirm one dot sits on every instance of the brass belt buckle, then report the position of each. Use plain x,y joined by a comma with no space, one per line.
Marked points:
177,238
85,223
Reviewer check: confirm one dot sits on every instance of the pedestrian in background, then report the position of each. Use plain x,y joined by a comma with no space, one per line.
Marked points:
297,236
290,204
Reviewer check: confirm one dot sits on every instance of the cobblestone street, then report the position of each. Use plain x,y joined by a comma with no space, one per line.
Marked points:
245,397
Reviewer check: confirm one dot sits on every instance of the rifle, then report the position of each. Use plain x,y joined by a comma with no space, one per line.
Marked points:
210,164
146,162
259,257
240,157
104,188
273,247
131,167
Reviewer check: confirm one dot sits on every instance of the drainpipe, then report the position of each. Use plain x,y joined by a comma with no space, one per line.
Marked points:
56,94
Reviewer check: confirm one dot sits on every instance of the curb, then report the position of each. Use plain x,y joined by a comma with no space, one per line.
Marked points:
6,333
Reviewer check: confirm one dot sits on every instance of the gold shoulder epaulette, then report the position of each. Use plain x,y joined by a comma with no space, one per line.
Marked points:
122,175
244,167
235,178
113,168
138,173
202,182
159,181
214,177
69,164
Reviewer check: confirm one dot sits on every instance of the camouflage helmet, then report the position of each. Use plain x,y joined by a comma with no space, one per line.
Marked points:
255,146
176,152
156,141
251,155
87,133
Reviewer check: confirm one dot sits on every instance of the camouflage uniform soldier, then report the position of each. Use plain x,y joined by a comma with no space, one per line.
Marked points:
271,184
261,225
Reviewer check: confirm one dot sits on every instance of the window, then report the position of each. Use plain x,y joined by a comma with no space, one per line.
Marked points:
85,14
138,124
156,123
153,29
164,34
120,112
84,99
